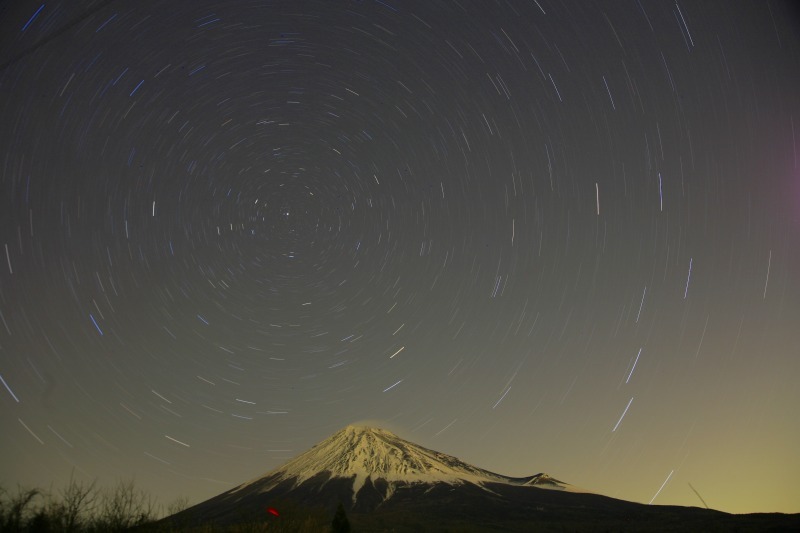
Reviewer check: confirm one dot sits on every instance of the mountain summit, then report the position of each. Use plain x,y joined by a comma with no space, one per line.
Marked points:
366,454
367,469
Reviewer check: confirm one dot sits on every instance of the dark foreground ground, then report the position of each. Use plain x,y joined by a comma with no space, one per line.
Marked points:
399,522
443,509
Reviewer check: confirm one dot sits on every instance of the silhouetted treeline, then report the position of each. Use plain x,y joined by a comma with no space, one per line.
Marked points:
81,507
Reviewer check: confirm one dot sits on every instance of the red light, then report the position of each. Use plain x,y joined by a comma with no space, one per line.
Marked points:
272,511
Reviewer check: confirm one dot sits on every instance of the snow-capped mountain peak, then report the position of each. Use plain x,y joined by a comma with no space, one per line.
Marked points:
383,480
363,453
366,451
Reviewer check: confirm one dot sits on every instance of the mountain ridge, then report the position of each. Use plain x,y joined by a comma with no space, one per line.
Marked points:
386,483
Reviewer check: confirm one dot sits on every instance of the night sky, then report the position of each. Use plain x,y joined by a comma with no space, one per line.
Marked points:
541,236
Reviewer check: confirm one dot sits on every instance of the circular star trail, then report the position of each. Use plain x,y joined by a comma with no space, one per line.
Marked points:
539,236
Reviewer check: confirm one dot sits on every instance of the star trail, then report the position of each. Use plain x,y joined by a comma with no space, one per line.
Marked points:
232,228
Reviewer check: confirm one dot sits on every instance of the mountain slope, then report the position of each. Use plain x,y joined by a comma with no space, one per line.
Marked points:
388,483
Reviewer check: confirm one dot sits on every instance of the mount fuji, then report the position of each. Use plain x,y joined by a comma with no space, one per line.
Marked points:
378,458
388,483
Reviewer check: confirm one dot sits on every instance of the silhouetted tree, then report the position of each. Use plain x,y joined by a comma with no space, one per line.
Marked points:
340,523
77,505
40,522
124,507
15,511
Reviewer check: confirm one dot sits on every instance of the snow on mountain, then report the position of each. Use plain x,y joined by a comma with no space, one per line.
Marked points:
366,453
